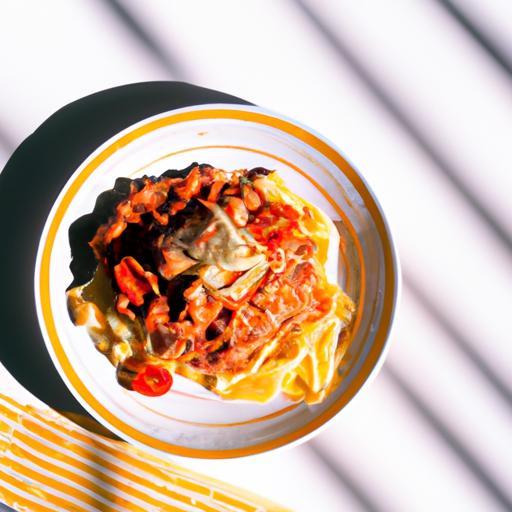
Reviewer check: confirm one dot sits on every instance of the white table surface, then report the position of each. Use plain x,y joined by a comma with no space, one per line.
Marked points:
423,107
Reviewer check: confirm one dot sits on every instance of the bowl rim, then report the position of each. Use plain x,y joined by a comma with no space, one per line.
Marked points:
375,357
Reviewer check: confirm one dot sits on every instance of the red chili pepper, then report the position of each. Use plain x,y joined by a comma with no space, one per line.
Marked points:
152,381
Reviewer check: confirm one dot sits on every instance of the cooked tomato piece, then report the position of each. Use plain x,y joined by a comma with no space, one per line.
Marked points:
151,196
176,207
237,210
122,304
214,193
204,309
134,281
158,313
251,198
274,240
277,261
284,210
191,185
152,381
232,191
175,261
114,231
161,218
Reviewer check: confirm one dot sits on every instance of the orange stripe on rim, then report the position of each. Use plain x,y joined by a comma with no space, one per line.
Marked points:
212,425
242,115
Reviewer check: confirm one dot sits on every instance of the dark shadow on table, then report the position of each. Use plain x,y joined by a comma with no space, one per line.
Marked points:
29,185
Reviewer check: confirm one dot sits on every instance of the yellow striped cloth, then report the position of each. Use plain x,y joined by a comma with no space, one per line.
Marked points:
49,463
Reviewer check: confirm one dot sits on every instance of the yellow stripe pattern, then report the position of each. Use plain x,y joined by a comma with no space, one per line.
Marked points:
49,463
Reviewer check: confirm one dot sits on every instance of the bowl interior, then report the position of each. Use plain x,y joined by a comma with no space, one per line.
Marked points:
190,420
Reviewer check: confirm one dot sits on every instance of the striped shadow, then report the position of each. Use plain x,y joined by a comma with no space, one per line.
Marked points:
355,489
170,63
457,447
416,134
459,340
499,57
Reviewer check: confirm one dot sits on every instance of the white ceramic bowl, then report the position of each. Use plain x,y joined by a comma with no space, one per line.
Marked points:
190,421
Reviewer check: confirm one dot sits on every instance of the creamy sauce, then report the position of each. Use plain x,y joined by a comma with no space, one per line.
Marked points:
92,306
115,335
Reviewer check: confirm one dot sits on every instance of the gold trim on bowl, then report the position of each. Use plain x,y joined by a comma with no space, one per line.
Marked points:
382,330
